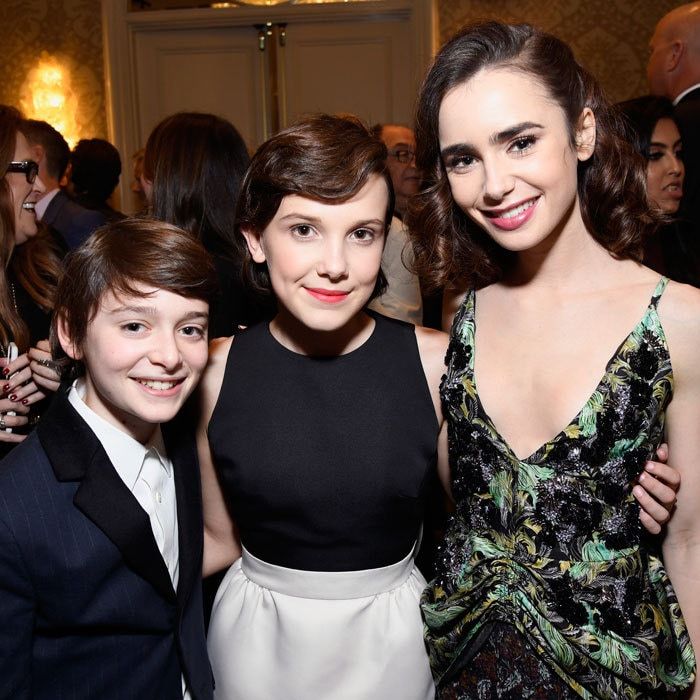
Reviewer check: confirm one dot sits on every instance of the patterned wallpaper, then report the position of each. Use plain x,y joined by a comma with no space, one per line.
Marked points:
70,30
609,37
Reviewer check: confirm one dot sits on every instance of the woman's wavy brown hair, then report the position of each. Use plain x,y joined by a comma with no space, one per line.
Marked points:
35,264
451,250
324,157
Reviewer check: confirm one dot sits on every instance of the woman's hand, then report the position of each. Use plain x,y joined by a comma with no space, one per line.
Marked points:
19,386
656,491
45,372
15,406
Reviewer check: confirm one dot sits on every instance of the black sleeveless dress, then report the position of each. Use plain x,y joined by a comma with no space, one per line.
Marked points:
324,462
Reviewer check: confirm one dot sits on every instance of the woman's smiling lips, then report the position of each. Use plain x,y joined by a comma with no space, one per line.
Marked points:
512,217
329,296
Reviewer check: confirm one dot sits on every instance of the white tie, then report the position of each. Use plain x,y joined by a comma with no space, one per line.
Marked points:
155,491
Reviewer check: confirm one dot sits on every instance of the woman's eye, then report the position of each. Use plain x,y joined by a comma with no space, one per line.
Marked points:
655,155
679,154
523,143
460,163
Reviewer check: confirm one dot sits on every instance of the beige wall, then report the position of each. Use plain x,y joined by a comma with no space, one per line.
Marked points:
68,29
609,37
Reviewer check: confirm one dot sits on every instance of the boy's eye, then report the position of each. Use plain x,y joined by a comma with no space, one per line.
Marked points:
133,327
193,331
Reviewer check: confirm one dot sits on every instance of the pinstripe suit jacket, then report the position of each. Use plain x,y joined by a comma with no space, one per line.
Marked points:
87,607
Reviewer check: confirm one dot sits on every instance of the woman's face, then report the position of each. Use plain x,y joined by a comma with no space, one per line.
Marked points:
324,258
506,147
24,194
665,170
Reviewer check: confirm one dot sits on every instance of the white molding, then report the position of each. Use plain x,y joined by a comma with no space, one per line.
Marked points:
119,28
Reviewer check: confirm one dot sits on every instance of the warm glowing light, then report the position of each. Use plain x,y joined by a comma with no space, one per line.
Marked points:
47,94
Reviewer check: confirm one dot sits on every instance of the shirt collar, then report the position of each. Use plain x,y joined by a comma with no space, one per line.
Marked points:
684,93
43,204
125,453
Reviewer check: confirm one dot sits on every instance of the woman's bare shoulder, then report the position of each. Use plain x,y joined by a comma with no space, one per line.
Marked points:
432,346
679,312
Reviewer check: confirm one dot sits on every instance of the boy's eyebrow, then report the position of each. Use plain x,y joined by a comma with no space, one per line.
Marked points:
152,311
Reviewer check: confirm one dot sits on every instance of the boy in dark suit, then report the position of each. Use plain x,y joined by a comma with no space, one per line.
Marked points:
100,509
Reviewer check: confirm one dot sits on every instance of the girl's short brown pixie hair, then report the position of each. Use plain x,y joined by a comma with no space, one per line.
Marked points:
118,257
324,157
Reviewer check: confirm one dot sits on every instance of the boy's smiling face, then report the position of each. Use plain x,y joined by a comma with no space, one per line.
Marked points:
143,356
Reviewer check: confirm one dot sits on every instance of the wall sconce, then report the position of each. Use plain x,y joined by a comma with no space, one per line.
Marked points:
47,94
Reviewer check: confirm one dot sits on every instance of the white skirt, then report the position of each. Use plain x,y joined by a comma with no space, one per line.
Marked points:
286,634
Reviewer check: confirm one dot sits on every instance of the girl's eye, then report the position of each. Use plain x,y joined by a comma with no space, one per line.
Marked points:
460,163
523,143
363,235
302,230
679,154
655,155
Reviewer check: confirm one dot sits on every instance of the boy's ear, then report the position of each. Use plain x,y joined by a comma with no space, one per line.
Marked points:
585,134
255,247
69,347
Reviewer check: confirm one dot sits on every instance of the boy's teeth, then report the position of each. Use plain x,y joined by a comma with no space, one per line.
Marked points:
158,386
518,210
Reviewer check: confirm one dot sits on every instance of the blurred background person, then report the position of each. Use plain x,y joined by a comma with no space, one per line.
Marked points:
95,167
674,72
402,298
69,222
654,132
193,167
29,269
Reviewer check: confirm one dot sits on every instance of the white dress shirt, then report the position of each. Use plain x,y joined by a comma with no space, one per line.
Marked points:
148,474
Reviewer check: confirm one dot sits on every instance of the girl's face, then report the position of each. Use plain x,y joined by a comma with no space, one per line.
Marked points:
324,258
507,151
24,194
665,170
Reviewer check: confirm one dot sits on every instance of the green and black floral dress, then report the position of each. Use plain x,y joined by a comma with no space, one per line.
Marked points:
547,586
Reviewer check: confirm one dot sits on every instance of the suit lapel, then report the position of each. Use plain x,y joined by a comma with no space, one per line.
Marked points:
180,445
76,454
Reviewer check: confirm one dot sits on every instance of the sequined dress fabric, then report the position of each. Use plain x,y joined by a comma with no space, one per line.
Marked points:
546,585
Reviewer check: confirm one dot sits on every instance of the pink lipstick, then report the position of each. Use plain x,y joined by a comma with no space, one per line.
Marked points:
328,296
512,217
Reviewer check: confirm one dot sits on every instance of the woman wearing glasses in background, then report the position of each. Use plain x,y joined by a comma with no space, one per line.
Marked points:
28,272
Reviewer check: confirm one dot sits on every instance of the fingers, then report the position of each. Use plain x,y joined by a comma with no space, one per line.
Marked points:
651,508
7,405
51,385
17,365
664,472
662,452
649,523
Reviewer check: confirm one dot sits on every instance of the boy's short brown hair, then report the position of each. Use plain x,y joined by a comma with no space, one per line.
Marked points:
118,257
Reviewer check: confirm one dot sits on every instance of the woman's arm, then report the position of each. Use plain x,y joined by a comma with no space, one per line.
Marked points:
432,346
680,314
221,545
